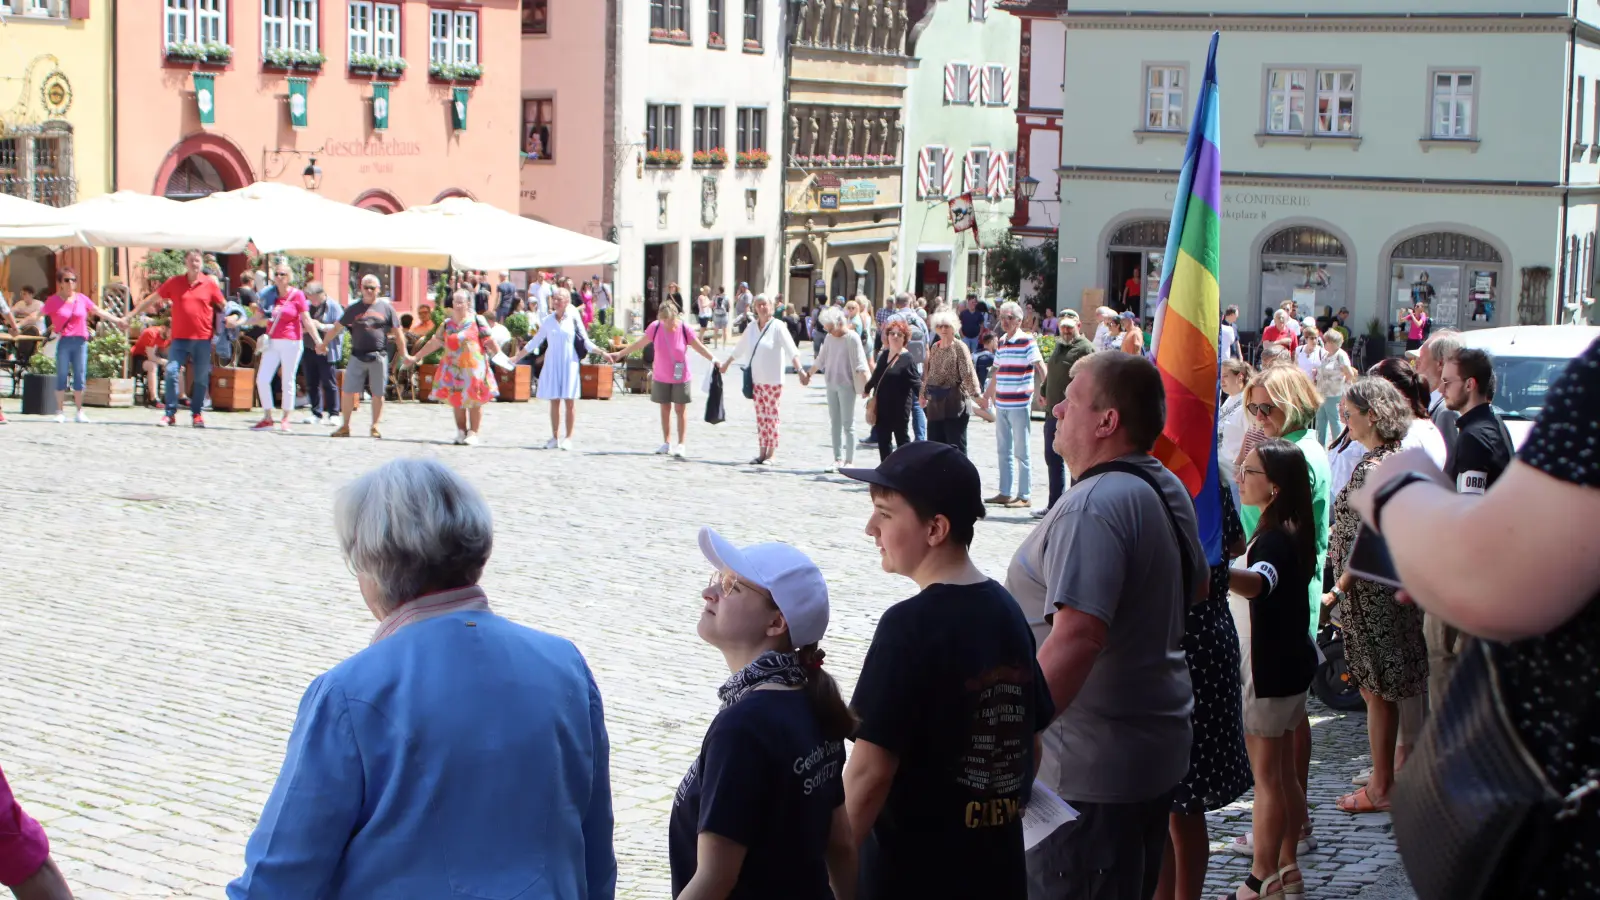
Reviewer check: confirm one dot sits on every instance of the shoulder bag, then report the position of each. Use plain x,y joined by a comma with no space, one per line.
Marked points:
1127,468
749,388
1472,808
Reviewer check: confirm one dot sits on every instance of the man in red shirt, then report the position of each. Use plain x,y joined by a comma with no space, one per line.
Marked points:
149,353
195,298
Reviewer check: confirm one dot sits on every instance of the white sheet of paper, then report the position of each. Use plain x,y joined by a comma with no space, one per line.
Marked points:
503,361
1045,813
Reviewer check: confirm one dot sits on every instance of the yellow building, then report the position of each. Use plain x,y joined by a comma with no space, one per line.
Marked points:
55,122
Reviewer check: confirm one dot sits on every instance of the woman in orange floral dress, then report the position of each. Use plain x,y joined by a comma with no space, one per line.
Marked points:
464,380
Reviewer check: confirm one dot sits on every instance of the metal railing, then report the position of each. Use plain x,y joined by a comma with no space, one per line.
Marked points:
51,190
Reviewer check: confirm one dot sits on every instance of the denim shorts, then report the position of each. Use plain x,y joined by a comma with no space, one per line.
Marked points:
71,353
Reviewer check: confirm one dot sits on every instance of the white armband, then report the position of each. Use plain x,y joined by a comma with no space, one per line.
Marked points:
1472,483
1269,572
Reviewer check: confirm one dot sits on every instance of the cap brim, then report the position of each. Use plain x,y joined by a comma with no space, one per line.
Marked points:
725,556
870,476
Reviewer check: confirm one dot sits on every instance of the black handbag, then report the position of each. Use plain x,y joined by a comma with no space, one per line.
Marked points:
1472,809
716,413
749,387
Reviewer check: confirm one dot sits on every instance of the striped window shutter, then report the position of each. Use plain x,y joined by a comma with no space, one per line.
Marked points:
999,165
1005,85
925,172
972,179
986,85
949,174
949,82
976,10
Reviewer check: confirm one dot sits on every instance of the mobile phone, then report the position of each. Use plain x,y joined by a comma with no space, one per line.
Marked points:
1369,559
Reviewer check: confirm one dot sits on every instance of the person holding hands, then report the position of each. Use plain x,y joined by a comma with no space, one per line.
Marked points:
669,373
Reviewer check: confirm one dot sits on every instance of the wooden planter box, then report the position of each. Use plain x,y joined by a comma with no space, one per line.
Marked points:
596,381
108,392
233,389
39,395
637,380
516,386
425,373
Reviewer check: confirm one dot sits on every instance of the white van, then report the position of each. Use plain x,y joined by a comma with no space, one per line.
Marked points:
1527,360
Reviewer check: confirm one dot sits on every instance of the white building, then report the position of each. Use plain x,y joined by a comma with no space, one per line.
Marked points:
699,87
1373,152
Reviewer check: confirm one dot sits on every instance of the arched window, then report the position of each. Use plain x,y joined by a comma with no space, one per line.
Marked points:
874,277
842,274
195,177
1457,275
1142,234
1306,266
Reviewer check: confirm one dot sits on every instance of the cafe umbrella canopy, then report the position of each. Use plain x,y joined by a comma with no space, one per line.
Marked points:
26,223
275,217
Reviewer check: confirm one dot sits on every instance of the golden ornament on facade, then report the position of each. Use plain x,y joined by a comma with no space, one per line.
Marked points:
57,94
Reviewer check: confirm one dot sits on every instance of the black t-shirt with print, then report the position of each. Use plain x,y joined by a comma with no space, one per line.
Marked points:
767,779
952,688
369,325
1282,659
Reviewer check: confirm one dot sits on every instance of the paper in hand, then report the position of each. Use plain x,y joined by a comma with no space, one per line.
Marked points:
502,361
1045,813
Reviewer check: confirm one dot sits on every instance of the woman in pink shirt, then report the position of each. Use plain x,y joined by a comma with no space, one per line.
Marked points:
1416,323
669,374
70,319
290,321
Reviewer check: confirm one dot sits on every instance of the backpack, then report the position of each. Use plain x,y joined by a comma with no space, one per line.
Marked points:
917,346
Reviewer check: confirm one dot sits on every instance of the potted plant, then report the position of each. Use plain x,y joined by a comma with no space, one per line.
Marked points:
391,66
516,386
309,60
39,387
108,384
751,45
636,373
1373,347
216,52
715,41
364,63
664,159
595,375
278,58
186,51
754,159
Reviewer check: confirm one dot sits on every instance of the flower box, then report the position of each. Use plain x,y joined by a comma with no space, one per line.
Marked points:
184,51
715,42
666,159
108,392
516,386
669,35
455,71
217,53
754,159
372,64
714,158
290,59
595,382
752,46
233,389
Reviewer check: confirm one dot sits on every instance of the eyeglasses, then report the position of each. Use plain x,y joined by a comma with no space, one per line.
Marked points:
369,287
68,280
281,274
1249,471
1260,410
725,583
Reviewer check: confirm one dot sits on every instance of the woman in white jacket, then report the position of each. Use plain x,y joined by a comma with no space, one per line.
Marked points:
765,349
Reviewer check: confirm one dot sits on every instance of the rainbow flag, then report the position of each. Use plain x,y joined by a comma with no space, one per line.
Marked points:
1189,315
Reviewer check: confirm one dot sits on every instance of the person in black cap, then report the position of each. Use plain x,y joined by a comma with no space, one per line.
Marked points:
950,698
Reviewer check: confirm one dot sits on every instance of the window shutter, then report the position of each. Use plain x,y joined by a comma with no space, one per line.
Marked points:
78,9
986,85
949,174
949,82
975,9
971,177
993,176
1005,85
925,172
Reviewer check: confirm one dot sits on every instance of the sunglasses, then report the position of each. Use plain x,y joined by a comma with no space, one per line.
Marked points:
369,287
1260,410
67,280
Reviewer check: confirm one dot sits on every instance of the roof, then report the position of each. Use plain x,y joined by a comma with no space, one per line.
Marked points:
1033,7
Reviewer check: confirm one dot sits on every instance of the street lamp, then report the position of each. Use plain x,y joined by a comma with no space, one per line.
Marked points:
1027,186
313,175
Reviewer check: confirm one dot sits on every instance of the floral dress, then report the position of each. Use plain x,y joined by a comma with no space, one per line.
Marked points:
1383,643
463,379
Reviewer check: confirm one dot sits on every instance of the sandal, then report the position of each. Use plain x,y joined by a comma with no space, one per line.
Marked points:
1263,889
1359,802
1295,888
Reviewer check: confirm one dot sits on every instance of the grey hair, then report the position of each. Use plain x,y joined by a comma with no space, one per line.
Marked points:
1443,344
413,527
831,317
460,294
1335,335
902,299
1011,308
314,289
1390,412
942,318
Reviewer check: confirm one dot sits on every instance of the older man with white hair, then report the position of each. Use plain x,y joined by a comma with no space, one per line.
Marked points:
1436,351
1018,366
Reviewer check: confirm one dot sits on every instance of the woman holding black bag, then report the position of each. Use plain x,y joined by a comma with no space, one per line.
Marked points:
765,349
1502,796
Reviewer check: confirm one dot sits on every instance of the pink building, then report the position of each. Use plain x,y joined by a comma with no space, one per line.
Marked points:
216,94
568,48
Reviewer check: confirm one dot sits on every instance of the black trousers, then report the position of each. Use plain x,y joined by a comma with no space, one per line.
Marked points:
1112,851
892,435
1053,463
952,431
320,389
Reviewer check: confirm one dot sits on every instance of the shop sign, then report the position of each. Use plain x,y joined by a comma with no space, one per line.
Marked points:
458,109
380,107
205,97
827,180
828,200
862,191
298,111
1247,205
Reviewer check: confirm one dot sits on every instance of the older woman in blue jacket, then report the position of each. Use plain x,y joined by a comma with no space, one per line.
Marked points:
457,755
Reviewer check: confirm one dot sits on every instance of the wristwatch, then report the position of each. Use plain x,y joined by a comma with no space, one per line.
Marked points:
1387,492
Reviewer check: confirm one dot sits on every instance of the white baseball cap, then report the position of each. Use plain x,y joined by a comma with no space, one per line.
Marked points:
793,580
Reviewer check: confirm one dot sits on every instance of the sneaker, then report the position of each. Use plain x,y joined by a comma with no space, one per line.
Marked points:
61,418
998,500
167,422
461,437
197,421
308,419
866,442
566,443
329,421
680,452
264,425
283,427
1041,513
663,450
1020,503
471,440
341,431
81,418
552,444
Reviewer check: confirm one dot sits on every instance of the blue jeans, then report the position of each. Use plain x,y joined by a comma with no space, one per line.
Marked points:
71,353
197,353
1014,423
972,344
1053,463
1328,425
919,422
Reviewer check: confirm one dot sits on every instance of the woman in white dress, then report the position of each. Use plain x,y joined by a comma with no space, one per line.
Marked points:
559,383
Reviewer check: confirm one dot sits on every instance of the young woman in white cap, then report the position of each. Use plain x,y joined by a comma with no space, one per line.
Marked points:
761,812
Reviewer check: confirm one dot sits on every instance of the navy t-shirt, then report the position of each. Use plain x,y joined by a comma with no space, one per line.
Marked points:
971,323
951,687
767,779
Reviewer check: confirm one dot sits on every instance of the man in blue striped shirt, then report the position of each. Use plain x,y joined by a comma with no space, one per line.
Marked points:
1018,366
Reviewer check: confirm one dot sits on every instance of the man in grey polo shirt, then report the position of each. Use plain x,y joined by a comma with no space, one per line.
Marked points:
1102,583
374,329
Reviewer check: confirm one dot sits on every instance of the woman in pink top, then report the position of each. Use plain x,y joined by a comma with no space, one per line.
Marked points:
669,374
290,321
1416,322
70,320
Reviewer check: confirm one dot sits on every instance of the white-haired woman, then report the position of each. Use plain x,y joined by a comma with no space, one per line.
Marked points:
383,780
949,380
1105,334
843,362
669,372
1334,373
858,318
764,350
463,380
761,811
567,343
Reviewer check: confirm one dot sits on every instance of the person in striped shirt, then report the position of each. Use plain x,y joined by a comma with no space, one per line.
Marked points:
1018,366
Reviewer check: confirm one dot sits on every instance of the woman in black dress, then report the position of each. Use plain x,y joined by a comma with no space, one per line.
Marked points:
897,383
1219,769
1521,570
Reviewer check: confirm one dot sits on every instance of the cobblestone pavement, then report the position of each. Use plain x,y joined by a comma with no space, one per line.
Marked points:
172,593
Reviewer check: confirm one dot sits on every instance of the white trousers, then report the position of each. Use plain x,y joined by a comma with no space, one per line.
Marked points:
280,352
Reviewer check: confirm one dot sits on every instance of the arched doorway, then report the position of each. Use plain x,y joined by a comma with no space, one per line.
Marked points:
802,267
200,165
841,281
1134,254
870,282
192,179
1306,264
1457,275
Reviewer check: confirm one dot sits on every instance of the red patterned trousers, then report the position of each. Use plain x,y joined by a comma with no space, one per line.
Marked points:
767,396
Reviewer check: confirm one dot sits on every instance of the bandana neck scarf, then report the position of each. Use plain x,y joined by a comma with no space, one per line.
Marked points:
771,667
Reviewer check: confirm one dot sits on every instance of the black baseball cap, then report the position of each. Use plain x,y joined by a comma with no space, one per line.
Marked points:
931,475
